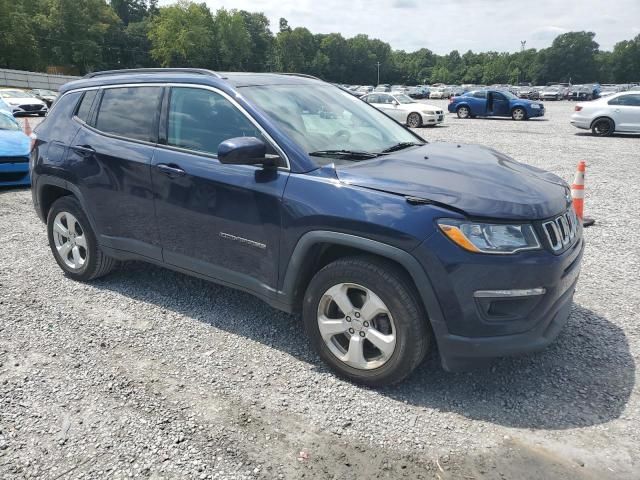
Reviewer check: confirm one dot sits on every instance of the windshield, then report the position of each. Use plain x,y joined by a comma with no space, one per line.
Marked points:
15,94
8,123
404,99
324,118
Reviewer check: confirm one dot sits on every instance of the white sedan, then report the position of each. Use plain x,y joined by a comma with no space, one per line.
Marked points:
618,113
406,110
23,103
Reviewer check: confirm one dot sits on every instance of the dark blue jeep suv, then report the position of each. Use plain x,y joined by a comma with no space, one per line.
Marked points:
291,189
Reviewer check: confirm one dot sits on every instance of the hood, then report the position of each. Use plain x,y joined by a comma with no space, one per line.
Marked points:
477,180
14,143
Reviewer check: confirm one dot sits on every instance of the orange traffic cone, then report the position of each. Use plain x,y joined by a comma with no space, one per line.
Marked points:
577,193
27,128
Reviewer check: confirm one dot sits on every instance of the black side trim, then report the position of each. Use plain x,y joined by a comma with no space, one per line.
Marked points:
408,261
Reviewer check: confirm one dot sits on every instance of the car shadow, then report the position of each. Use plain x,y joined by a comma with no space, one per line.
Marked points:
585,378
615,135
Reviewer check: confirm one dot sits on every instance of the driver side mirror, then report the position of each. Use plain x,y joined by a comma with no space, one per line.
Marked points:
395,103
244,151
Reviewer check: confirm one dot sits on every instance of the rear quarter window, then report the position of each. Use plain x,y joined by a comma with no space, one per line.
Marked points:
130,112
85,105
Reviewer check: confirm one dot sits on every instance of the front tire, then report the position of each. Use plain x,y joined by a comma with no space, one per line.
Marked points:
414,120
363,317
603,127
73,241
519,114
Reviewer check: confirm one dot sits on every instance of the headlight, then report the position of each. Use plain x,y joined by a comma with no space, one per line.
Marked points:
489,237
427,112
535,105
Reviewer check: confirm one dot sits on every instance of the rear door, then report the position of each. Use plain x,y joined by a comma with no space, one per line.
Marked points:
478,102
111,156
222,221
626,112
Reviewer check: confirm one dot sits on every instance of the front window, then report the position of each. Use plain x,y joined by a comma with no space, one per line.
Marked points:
322,118
201,120
509,95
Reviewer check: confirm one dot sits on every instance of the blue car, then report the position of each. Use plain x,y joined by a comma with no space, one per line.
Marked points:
4,106
301,194
494,103
14,152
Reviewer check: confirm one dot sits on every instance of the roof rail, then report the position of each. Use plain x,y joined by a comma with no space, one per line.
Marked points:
133,71
305,75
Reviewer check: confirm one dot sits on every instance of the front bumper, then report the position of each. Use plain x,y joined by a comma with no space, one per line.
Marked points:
14,174
429,119
470,330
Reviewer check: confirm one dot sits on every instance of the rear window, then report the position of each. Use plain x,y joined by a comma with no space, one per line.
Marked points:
130,112
85,105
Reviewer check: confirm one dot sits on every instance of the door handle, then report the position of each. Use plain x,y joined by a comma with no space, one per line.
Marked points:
84,150
171,169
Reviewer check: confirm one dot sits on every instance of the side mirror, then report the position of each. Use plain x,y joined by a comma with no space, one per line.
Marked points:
243,151
395,102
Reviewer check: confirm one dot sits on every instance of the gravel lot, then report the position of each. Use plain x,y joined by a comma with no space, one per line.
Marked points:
151,374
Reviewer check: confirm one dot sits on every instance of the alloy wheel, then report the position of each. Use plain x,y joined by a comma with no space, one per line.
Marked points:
356,326
69,240
463,112
518,114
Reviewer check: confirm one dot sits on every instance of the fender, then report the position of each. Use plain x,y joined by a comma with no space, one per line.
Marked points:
47,180
409,262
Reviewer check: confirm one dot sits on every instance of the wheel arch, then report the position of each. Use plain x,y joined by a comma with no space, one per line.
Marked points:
603,117
49,189
316,249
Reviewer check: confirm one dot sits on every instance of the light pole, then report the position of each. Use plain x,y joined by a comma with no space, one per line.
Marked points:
378,65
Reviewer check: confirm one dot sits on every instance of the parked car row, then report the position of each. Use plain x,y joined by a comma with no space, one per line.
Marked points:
28,102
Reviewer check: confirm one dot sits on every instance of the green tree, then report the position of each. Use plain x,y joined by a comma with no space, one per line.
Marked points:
572,57
625,61
183,35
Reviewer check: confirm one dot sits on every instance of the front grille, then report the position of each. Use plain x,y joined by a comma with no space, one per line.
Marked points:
14,159
31,108
562,230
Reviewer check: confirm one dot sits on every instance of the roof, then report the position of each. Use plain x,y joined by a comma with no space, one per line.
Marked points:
187,75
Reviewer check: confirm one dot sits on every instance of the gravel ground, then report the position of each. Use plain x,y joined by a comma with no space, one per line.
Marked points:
151,374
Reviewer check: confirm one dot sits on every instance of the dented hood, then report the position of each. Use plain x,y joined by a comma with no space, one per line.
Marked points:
475,179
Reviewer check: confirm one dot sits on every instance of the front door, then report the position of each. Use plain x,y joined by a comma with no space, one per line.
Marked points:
218,220
500,106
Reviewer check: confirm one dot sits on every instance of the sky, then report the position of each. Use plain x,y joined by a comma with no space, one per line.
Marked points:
445,25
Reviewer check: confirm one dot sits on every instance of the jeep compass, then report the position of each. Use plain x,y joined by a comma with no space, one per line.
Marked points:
287,187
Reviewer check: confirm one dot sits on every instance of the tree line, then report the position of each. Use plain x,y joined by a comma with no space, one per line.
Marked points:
90,35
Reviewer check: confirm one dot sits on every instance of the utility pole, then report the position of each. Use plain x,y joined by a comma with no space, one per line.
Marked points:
378,65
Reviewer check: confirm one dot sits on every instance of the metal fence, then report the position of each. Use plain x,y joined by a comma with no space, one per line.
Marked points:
22,79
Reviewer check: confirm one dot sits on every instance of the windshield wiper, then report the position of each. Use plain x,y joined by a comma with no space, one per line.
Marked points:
401,146
354,154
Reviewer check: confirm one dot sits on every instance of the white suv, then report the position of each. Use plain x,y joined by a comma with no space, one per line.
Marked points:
23,103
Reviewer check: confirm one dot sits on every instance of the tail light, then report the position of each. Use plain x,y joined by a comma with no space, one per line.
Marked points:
578,108
33,138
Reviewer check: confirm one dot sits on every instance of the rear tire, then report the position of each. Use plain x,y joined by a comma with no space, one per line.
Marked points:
603,127
463,112
381,306
73,242
414,120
